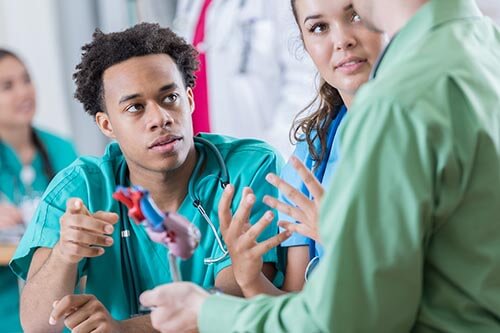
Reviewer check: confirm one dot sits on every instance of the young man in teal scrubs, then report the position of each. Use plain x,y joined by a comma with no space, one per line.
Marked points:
137,86
411,222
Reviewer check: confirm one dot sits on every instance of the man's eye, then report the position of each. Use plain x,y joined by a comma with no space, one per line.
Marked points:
135,108
171,98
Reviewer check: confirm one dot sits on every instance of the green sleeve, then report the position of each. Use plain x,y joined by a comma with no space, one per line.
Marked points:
373,228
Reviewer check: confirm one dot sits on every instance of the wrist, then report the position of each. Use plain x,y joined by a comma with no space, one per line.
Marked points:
61,258
255,287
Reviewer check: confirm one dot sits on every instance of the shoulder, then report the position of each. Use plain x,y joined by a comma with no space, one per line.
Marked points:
245,154
50,139
87,174
61,151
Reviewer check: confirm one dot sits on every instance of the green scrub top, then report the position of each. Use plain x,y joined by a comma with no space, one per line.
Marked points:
94,181
61,153
411,221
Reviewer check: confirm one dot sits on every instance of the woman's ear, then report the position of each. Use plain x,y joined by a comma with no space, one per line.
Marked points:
102,120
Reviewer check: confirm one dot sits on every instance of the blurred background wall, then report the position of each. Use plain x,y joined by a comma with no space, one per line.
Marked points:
48,35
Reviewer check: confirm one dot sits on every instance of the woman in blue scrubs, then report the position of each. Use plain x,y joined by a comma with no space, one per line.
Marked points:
29,158
344,52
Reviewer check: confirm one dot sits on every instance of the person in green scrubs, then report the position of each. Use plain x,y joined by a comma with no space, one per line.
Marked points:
137,84
29,157
411,221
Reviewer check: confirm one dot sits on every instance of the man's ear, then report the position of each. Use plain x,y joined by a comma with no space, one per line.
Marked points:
102,120
190,96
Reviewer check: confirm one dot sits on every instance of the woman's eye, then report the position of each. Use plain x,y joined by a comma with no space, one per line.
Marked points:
135,108
355,17
6,86
318,28
171,98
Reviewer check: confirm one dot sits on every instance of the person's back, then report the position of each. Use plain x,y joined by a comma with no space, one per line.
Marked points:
453,97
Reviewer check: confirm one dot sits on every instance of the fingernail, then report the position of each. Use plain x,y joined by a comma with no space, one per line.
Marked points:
269,177
250,199
228,188
109,240
108,229
269,215
52,321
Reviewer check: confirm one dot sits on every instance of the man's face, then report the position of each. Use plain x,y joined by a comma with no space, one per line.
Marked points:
367,9
148,112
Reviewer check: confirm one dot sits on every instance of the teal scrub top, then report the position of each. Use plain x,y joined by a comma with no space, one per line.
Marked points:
95,179
61,153
410,223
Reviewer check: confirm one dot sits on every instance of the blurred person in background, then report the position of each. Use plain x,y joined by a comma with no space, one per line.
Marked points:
250,82
29,158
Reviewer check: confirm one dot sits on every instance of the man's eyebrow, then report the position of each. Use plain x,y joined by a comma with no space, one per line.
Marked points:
166,87
169,86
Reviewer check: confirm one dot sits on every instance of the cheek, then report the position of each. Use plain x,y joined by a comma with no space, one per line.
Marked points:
320,53
374,44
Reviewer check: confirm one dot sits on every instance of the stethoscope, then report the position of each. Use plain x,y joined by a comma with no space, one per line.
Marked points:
128,260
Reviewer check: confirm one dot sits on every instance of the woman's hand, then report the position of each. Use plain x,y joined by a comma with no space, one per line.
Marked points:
306,211
241,239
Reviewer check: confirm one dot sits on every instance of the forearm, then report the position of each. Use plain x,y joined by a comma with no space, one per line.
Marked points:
261,286
137,324
52,281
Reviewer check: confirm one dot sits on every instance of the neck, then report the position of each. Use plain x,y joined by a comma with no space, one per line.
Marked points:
168,189
18,138
347,99
399,13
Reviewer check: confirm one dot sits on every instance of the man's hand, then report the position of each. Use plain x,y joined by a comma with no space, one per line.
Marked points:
10,215
83,234
241,238
307,211
176,306
83,314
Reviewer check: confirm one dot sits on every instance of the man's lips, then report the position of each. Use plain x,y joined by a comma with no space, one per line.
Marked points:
164,140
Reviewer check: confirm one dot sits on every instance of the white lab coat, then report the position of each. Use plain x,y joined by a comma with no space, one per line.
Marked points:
259,76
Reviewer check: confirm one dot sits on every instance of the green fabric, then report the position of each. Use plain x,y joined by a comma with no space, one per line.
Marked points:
411,221
94,180
61,153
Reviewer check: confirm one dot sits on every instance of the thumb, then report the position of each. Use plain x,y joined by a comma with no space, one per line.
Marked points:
76,206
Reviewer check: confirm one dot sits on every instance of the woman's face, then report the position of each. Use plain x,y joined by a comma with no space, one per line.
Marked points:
342,48
17,94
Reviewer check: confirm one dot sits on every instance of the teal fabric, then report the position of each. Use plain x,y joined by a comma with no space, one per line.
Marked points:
94,180
61,153
410,223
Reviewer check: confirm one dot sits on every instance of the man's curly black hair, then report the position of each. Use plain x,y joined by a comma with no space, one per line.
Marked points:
106,50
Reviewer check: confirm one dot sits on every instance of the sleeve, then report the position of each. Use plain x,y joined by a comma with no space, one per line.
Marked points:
44,229
271,162
291,176
373,222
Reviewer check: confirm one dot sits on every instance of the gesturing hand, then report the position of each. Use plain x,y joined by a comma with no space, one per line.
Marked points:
176,306
83,234
306,210
83,314
241,237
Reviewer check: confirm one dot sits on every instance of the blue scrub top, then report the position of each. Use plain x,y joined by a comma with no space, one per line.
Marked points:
61,153
323,173
94,180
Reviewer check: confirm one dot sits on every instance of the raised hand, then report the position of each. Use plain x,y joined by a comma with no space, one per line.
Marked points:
83,314
83,234
306,210
241,237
